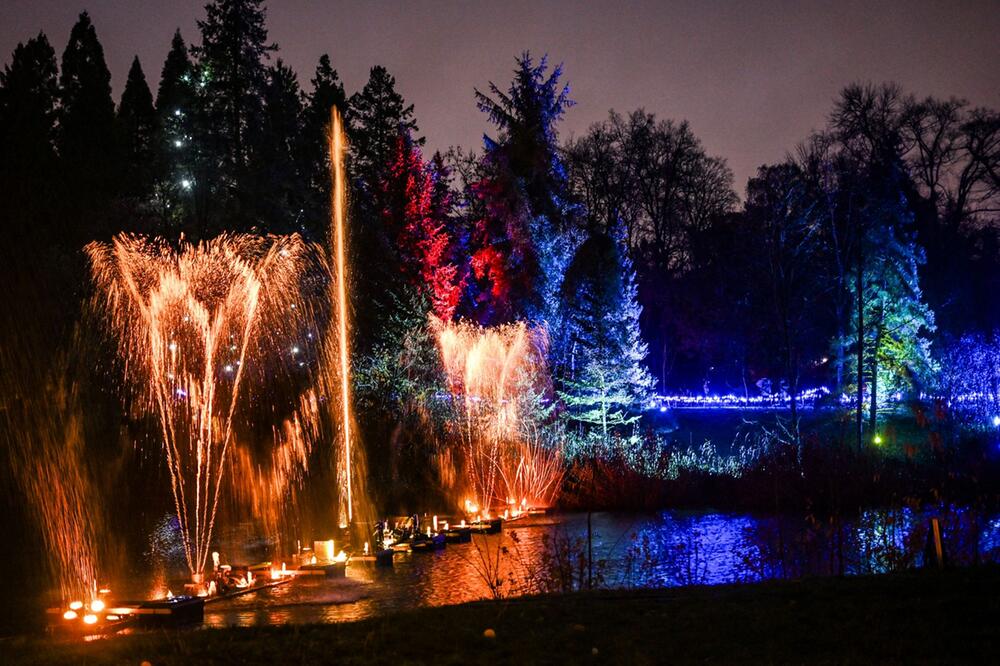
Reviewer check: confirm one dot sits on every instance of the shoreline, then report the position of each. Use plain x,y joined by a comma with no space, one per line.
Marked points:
916,616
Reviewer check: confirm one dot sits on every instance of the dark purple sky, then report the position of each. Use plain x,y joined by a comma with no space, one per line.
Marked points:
752,78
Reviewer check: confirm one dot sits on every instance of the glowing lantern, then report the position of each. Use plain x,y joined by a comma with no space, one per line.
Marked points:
76,605
70,615
97,605
90,618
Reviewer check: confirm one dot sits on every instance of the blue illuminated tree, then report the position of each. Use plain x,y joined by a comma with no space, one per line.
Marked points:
526,236
602,377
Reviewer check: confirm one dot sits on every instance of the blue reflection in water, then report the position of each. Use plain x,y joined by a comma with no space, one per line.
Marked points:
668,548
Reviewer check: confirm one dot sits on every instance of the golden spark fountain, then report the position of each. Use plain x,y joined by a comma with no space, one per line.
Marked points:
188,322
497,377
338,192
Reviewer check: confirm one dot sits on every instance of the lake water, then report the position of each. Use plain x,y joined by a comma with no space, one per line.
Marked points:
667,548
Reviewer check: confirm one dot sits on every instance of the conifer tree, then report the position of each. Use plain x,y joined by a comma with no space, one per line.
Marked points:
28,96
87,138
526,237
137,126
377,115
181,144
604,382
280,187
327,92
415,221
232,79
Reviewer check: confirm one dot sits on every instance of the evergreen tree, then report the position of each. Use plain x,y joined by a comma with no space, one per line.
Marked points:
28,96
87,139
181,172
604,382
327,91
280,187
527,236
415,224
377,115
232,80
137,124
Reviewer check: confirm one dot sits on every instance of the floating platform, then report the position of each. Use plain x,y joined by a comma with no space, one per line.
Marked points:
458,534
491,526
169,612
425,544
328,569
382,558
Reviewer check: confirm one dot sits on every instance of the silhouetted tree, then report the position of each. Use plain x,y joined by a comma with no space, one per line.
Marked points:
87,141
28,97
183,174
232,82
327,91
280,185
137,123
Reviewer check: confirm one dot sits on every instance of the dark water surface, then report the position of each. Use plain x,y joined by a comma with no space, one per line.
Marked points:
669,548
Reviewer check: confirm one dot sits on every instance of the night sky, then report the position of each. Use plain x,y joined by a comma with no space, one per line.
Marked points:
752,80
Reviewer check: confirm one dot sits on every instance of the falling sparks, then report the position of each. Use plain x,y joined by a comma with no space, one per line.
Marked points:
179,317
335,350
496,377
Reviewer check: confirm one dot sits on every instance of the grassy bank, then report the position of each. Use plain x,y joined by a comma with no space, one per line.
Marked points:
915,617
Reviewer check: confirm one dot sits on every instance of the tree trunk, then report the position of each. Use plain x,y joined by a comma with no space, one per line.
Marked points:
859,297
873,407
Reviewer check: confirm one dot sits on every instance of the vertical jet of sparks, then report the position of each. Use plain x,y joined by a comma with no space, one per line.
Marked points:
338,193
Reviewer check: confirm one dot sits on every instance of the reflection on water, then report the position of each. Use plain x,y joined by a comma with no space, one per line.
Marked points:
641,550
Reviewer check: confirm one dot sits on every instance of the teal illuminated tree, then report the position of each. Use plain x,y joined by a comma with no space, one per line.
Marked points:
893,346
602,380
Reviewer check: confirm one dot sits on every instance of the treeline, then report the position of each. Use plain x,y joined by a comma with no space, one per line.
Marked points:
875,238
884,221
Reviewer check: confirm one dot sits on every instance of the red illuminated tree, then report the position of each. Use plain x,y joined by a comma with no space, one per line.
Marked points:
416,218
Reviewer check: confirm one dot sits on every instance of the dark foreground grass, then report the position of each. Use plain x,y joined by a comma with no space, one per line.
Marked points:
951,617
